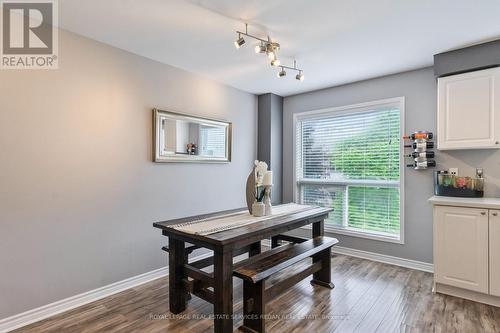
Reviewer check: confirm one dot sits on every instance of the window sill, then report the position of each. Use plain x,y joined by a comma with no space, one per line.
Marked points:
366,235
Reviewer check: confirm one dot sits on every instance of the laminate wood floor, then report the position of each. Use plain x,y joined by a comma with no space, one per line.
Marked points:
368,297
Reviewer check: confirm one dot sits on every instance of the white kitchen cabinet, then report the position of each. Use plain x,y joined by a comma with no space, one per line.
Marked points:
467,248
495,252
461,247
469,110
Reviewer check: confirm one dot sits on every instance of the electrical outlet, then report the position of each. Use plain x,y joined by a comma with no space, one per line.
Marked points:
453,171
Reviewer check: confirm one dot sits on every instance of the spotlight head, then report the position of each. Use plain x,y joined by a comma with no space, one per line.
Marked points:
300,76
260,48
282,72
271,55
275,62
239,42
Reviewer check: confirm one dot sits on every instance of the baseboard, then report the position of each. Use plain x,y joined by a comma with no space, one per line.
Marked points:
49,310
413,264
408,263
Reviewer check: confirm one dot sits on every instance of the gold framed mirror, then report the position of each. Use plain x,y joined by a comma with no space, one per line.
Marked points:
186,138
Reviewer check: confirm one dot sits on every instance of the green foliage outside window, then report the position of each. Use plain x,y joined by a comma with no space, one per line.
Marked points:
369,151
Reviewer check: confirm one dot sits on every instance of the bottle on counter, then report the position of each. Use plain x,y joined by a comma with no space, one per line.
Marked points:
479,180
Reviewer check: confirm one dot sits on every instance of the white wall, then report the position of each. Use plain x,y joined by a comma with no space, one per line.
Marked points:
78,190
419,89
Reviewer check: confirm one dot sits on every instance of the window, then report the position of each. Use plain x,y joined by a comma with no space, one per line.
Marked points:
349,159
212,141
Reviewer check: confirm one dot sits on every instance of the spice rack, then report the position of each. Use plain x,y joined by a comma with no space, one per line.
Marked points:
421,150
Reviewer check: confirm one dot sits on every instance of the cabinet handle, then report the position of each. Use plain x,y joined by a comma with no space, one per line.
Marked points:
494,214
483,213
497,142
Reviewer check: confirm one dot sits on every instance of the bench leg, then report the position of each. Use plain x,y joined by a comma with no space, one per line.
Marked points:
186,260
323,277
254,306
255,249
274,242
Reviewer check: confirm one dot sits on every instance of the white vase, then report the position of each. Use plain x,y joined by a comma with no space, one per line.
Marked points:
267,202
269,210
258,209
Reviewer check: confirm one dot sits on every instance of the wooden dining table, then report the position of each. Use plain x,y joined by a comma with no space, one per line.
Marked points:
188,277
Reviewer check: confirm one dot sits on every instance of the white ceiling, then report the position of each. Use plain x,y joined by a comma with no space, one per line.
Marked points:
334,41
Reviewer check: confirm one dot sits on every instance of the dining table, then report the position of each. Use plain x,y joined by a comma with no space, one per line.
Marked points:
232,233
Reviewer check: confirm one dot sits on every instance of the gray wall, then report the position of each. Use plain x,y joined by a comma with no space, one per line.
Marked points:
270,139
78,190
419,89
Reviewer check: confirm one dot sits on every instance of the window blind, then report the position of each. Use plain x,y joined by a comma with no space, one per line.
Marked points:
350,161
213,141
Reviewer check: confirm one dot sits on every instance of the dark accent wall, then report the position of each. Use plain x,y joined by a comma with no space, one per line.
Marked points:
270,139
467,59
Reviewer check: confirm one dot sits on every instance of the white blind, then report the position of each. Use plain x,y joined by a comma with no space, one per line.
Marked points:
351,161
213,141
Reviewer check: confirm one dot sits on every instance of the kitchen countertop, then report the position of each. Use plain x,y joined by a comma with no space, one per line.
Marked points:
492,203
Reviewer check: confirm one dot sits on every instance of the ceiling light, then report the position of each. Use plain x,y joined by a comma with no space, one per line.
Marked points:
270,48
260,48
300,76
275,62
239,42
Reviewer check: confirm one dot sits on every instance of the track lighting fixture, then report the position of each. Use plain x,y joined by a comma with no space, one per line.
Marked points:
239,42
270,48
300,76
262,48
282,72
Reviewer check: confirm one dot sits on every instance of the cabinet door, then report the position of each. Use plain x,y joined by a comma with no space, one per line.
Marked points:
495,252
469,110
461,247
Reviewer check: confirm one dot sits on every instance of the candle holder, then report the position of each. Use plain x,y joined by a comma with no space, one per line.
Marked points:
268,208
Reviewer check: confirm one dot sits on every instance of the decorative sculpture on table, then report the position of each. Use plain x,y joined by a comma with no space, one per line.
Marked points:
259,184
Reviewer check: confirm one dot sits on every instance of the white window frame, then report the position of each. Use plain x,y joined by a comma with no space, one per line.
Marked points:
361,107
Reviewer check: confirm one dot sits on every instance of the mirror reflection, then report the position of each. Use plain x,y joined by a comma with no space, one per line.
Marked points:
187,138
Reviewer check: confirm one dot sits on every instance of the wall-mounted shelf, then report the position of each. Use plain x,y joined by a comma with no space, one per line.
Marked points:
422,153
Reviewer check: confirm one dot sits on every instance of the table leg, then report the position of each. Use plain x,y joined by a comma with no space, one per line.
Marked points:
177,293
323,277
318,228
223,291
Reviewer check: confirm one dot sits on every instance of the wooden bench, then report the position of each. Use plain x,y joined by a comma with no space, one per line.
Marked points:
198,282
255,270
